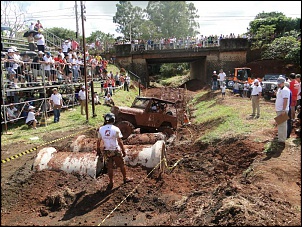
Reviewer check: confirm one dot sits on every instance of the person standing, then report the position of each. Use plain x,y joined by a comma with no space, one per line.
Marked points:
246,87
56,102
40,41
127,83
282,107
221,77
214,81
113,150
223,88
294,87
31,42
255,96
82,99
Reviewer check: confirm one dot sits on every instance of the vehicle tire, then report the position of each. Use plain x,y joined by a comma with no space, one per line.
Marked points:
126,128
267,97
230,84
168,131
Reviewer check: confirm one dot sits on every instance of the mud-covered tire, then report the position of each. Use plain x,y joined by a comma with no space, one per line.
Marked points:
168,131
126,128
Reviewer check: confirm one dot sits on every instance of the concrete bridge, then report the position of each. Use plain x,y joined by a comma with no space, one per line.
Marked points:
230,53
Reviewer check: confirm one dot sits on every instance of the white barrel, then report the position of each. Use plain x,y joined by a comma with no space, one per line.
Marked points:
84,163
145,155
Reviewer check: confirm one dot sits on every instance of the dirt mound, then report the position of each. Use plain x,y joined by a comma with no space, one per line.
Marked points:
194,85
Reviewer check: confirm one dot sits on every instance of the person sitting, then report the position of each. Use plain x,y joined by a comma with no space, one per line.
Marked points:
108,100
12,113
96,98
31,117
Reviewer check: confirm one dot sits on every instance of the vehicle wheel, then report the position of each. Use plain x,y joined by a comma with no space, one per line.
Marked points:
126,128
267,97
230,83
168,131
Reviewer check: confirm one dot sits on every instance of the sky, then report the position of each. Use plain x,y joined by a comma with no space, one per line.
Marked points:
216,17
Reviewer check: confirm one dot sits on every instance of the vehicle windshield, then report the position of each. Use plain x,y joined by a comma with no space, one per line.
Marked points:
244,74
140,103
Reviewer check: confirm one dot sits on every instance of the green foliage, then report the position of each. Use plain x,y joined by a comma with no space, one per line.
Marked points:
160,19
284,48
173,18
276,35
172,69
129,19
63,33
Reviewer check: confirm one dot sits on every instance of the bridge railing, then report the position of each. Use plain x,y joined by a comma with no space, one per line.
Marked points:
174,45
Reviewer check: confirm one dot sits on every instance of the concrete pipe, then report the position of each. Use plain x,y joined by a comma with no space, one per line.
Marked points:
84,163
145,155
145,138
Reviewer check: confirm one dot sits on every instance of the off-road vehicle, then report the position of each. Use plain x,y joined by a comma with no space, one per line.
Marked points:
149,114
269,84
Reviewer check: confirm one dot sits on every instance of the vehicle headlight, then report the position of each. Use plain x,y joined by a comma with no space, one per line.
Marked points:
273,86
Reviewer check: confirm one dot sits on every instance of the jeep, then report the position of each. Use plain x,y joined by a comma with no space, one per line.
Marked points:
269,85
149,114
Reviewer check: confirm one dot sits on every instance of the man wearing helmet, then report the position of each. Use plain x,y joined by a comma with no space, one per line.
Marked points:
110,139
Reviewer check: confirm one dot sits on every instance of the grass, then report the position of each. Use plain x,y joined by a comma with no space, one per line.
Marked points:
227,120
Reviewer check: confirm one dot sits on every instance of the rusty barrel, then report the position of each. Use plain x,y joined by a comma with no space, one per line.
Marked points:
145,138
84,163
84,144
145,155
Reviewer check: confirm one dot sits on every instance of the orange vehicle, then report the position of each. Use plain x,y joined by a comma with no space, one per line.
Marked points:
241,75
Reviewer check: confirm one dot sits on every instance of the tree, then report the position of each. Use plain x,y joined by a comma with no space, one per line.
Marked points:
284,48
128,19
173,18
13,16
63,33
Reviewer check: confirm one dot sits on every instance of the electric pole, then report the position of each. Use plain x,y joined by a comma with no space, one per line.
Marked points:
77,21
83,8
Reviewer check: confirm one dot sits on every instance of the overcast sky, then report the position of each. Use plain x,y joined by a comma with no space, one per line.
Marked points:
216,17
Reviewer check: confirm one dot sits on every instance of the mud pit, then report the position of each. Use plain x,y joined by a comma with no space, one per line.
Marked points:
229,182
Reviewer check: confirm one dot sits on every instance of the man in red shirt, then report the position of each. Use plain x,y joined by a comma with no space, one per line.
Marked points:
74,45
294,87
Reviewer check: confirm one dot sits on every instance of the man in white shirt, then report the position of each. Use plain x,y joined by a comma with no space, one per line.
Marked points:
47,62
282,107
56,102
221,77
110,146
40,41
255,96
82,99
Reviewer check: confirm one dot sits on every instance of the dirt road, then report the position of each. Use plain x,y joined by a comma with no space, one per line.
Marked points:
229,182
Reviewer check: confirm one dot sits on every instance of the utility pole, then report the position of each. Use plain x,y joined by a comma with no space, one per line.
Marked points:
84,49
77,21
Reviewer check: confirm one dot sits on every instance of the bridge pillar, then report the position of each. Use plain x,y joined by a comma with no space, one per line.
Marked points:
198,70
